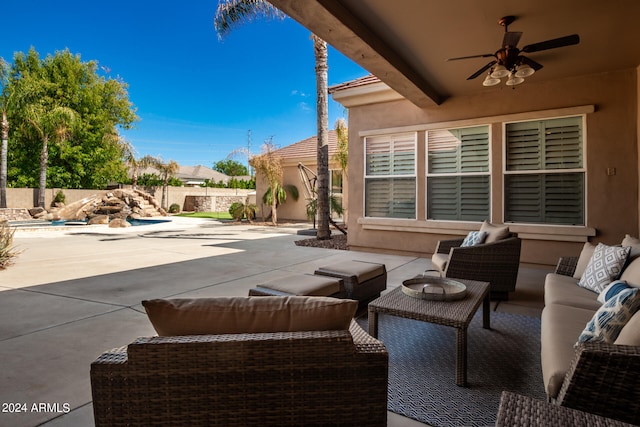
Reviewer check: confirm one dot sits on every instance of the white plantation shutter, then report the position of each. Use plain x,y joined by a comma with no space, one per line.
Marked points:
544,179
458,184
390,176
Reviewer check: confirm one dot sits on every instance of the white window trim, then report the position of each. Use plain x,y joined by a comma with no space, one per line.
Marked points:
414,175
531,232
583,169
427,174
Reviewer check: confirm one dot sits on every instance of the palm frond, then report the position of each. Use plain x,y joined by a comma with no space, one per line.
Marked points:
231,13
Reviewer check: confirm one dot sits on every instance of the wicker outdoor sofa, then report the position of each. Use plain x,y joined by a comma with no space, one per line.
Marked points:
328,377
601,378
496,261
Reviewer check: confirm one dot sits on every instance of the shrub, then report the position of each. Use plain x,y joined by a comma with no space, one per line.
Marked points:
242,210
60,197
174,208
7,251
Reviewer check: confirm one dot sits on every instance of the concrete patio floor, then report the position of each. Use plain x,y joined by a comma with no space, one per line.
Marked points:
74,293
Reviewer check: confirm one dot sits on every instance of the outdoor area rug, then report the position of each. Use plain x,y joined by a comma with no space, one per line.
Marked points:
422,367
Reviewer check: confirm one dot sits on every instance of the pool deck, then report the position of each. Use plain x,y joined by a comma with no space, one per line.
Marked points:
74,293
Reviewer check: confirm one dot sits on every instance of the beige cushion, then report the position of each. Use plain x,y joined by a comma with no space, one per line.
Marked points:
439,261
634,244
631,273
561,326
305,284
630,333
564,290
236,315
361,269
494,232
583,261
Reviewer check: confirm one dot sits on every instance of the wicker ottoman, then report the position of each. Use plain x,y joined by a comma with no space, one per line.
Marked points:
363,281
301,284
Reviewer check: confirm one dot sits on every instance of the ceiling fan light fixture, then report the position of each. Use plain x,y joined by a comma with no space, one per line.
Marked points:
514,80
524,70
499,72
490,81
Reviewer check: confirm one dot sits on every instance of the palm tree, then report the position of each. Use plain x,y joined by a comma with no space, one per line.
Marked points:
231,13
269,165
49,125
4,101
167,171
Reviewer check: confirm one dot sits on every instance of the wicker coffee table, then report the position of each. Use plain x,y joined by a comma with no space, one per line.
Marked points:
457,314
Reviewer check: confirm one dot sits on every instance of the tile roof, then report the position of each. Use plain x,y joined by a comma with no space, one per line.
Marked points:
308,147
362,81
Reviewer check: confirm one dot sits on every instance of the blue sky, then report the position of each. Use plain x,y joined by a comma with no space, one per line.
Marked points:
197,96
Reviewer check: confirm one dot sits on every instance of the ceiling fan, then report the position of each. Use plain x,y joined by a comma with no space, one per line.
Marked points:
508,60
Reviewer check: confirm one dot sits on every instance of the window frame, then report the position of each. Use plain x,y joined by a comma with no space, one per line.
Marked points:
414,175
539,172
488,172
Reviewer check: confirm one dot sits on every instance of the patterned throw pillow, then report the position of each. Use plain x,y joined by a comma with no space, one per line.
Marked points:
474,238
612,289
609,320
604,266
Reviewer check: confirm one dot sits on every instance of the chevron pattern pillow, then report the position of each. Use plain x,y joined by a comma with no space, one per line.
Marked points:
604,266
609,320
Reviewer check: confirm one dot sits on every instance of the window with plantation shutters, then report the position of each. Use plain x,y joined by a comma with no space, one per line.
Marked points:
544,176
458,180
390,176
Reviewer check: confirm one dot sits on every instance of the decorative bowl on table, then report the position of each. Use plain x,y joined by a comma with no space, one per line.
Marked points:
434,288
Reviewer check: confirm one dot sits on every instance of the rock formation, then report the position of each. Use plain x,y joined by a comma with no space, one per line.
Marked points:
108,205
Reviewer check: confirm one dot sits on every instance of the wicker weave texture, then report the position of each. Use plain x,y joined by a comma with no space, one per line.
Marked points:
567,265
270,379
456,314
604,379
497,262
520,411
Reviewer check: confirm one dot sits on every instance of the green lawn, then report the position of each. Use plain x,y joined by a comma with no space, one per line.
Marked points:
214,215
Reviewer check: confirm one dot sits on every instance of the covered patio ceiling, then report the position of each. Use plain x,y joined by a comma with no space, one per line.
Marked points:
406,43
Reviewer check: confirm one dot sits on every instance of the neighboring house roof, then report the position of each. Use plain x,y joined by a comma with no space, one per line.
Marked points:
362,81
308,147
196,173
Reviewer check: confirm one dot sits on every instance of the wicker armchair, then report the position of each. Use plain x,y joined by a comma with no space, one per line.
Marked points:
497,262
603,379
266,379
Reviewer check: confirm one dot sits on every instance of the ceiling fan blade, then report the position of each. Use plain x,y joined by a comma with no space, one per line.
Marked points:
484,55
511,38
530,62
552,44
481,70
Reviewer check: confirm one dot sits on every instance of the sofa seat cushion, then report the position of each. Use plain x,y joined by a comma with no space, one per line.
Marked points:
564,290
561,326
439,261
630,334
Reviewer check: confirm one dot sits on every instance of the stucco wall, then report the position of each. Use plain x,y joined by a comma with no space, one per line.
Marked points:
291,209
611,137
28,197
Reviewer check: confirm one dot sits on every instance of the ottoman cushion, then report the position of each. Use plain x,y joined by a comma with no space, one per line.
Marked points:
362,270
305,284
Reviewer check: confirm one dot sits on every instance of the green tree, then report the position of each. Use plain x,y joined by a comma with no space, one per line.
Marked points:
231,13
93,154
231,167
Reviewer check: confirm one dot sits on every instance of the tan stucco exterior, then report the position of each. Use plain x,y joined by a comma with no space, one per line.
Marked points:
610,103
295,210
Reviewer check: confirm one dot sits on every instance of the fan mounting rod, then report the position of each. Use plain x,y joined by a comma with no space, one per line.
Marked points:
505,21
